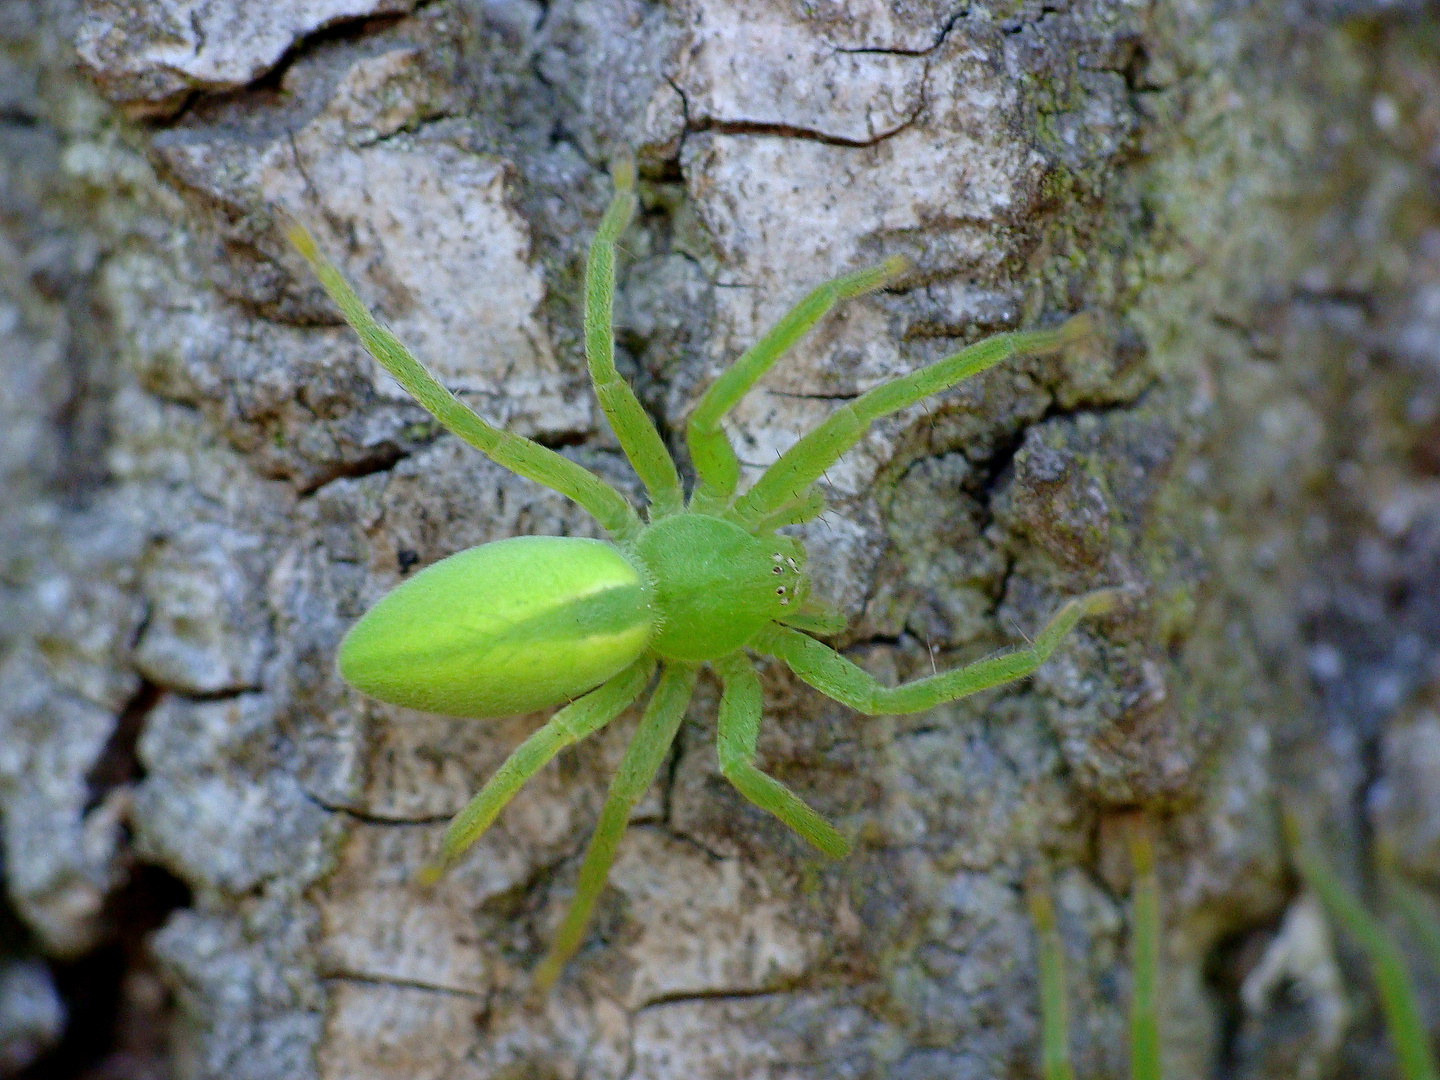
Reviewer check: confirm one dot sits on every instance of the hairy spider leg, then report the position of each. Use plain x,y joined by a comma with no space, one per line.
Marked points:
784,494
519,455
807,460
739,727
582,717
716,466
816,617
836,677
796,512
628,419
647,749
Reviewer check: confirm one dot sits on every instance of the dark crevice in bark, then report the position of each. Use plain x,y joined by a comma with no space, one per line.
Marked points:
994,467
799,396
878,50
117,1009
1223,981
1225,969
1007,575
693,125
343,28
228,694
14,117
118,1012
668,771
401,984
384,463
119,762
558,135
407,130
379,819
790,131
664,826
682,996
685,121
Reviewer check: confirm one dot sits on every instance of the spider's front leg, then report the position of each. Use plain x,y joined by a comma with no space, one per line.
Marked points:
716,466
836,677
740,711
520,455
628,419
647,749
807,460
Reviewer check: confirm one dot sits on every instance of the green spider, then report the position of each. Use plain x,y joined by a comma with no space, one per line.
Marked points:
530,622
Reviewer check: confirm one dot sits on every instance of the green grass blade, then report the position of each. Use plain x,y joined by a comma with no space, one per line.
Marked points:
1419,914
1144,955
1054,1008
1392,979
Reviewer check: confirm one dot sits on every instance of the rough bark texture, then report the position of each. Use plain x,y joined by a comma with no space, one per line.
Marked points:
206,481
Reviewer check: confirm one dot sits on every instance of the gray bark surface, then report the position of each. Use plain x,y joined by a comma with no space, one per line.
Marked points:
206,480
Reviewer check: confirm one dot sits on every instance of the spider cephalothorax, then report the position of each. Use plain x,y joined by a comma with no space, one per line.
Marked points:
531,622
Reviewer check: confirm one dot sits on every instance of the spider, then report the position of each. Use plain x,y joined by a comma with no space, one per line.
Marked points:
531,622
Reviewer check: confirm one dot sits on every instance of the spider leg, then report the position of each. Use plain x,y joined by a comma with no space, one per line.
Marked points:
628,419
740,711
815,617
803,463
519,455
836,677
647,749
795,512
582,717
716,466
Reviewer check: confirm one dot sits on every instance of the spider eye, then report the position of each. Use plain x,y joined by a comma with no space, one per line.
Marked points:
776,570
780,591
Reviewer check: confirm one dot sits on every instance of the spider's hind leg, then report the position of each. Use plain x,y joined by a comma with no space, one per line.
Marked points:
647,749
740,710
580,718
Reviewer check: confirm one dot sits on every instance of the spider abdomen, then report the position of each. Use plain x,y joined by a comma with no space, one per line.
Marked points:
503,628
715,585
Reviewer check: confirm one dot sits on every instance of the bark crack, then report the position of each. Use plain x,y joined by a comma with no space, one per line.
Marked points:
680,997
393,982
881,50
793,131
695,125
119,762
368,818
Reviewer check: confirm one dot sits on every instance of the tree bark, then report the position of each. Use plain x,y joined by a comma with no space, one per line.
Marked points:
207,480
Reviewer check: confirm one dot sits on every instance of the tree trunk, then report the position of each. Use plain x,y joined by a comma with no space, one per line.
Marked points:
207,480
